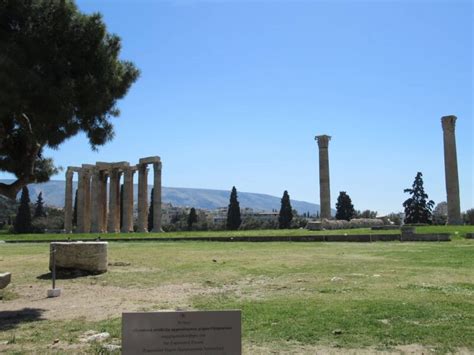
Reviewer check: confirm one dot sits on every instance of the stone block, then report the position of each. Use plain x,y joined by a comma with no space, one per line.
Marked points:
407,231
440,237
469,235
364,238
85,256
149,160
5,279
314,226
54,292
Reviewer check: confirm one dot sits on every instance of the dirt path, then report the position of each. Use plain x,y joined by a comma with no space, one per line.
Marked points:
96,302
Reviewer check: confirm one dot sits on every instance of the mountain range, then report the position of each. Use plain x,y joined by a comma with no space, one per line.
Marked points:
53,195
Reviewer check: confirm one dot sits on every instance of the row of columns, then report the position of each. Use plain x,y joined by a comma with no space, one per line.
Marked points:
99,211
450,166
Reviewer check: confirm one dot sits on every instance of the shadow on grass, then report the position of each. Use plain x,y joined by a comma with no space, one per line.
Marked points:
66,275
12,319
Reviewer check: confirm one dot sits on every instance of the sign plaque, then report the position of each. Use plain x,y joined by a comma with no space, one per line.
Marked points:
193,332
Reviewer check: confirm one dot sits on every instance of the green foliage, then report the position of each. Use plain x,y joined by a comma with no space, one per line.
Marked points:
39,207
233,212
8,209
23,217
286,212
150,210
469,217
440,213
344,207
192,218
395,218
60,74
366,214
417,207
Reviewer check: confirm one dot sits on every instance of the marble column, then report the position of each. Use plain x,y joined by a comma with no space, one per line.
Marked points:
324,186
87,201
127,212
113,207
157,197
95,201
80,201
103,192
117,202
451,170
142,198
68,202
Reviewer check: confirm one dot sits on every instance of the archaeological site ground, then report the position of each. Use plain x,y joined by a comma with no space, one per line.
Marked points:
316,297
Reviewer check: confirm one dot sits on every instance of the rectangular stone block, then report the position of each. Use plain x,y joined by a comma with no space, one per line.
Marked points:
149,160
348,238
441,237
86,256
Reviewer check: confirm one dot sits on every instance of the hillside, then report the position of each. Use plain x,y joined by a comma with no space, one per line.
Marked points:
53,194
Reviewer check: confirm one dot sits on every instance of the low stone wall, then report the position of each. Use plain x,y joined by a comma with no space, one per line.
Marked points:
85,256
387,227
331,224
441,237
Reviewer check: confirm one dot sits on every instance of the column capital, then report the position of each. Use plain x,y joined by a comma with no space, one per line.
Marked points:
448,123
142,167
323,140
157,165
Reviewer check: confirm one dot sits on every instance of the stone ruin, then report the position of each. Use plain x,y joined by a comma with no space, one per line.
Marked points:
99,212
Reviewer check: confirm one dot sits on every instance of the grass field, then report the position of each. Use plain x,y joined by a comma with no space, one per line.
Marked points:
454,230
294,297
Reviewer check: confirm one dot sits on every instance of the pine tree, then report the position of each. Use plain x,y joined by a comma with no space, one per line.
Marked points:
74,212
23,217
417,207
192,218
150,211
344,207
286,212
39,207
233,211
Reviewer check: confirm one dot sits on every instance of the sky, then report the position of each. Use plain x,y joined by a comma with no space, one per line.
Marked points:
234,92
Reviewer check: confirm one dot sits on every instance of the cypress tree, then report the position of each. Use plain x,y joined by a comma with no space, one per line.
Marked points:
344,207
233,211
417,207
74,212
39,207
192,218
286,212
23,217
150,211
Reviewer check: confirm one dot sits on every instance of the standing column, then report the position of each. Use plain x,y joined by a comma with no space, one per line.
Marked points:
95,201
113,189
68,202
157,197
100,201
117,202
127,212
103,199
324,189
87,201
142,198
451,170
80,201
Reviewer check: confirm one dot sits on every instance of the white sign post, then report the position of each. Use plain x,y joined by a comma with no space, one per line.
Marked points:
193,332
